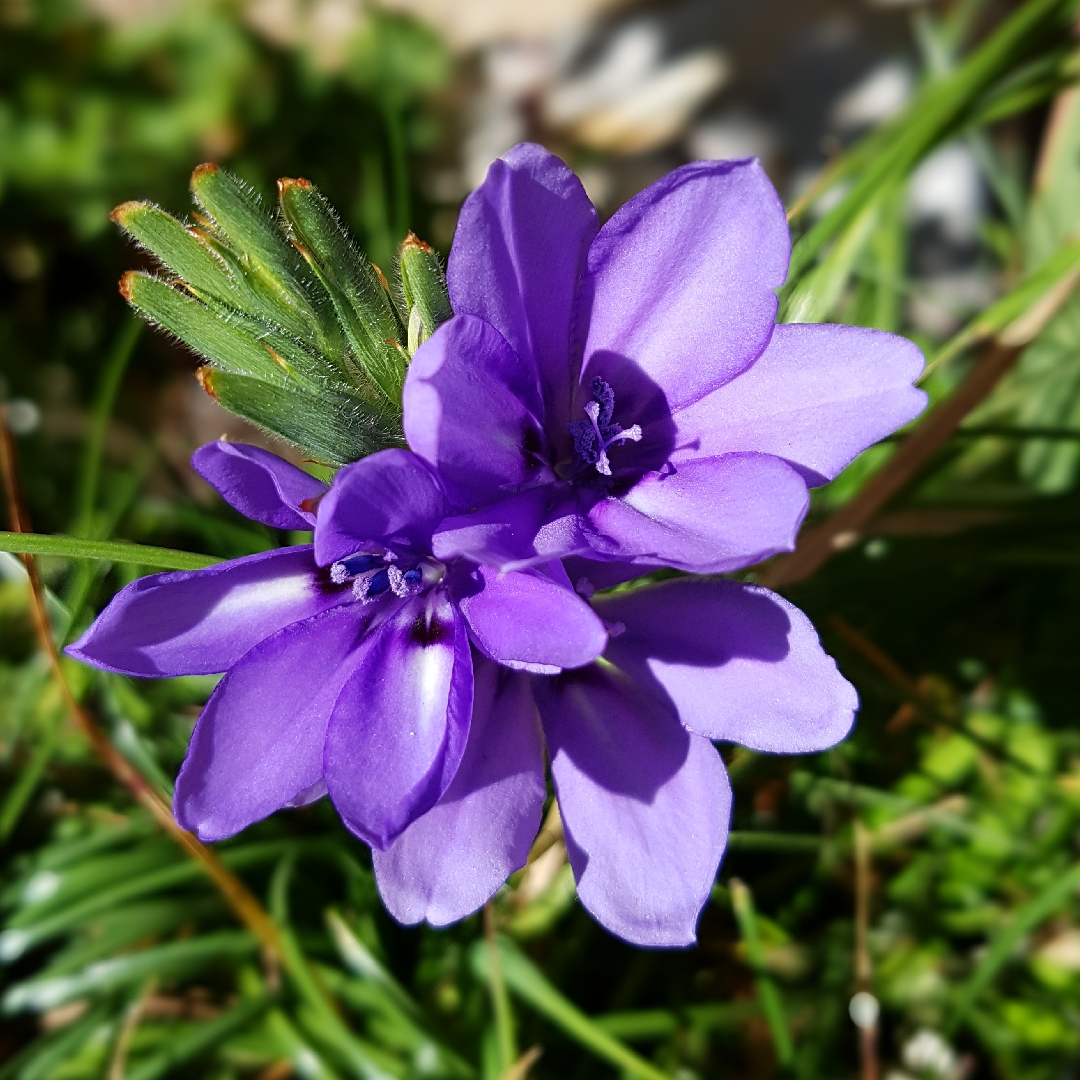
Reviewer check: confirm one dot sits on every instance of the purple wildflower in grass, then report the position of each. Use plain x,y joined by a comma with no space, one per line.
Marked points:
623,393
642,791
350,663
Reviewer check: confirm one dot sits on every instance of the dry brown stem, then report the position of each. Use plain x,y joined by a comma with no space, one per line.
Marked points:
236,893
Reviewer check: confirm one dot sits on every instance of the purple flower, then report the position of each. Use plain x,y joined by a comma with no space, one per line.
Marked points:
643,793
624,394
349,663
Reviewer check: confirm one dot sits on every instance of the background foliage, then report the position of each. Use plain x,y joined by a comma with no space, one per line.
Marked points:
931,860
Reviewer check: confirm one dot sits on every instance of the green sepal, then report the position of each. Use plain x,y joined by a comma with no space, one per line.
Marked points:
356,289
180,249
220,340
332,429
272,267
426,295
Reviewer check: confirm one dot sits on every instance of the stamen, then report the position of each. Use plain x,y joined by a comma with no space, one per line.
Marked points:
405,584
594,436
366,589
355,565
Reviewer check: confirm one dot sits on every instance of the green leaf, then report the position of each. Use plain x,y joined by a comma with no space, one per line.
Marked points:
26,931
894,149
358,293
175,958
1050,900
203,1038
818,291
1019,315
529,983
119,551
742,903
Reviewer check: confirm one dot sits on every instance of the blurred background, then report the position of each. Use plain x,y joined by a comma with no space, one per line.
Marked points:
904,907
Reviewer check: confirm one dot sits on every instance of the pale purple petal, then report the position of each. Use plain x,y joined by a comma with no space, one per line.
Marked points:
817,396
681,279
195,622
644,803
519,252
258,745
259,484
524,619
472,410
390,499
400,725
710,515
309,795
524,530
738,662
588,575
449,862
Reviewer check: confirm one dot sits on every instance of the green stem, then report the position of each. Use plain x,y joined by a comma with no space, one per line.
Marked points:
108,387
742,903
505,1033
529,984
120,551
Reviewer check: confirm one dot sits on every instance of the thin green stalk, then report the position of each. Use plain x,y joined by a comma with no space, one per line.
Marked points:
112,375
530,984
889,248
325,1023
29,775
71,547
742,904
399,171
771,841
1021,313
505,1027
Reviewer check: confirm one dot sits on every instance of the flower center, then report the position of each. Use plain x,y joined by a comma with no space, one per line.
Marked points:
374,573
594,436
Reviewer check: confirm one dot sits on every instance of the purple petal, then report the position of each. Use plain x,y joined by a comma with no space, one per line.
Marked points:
588,576
739,663
817,396
681,279
195,622
644,803
524,619
258,745
449,862
400,725
707,515
523,530
471,410
259,484
519,252
390,499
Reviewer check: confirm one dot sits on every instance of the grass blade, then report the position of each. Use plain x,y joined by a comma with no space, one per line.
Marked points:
1036,912
72,547
742,904
529,984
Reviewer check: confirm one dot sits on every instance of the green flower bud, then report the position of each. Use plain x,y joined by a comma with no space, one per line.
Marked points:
426,296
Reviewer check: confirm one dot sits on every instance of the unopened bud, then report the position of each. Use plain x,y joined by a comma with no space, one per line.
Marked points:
425,290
